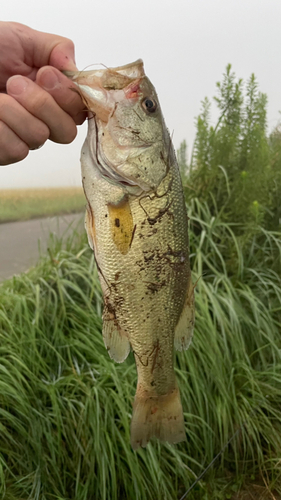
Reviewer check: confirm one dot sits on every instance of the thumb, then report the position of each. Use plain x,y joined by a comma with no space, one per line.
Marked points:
62,56
46,48
43,49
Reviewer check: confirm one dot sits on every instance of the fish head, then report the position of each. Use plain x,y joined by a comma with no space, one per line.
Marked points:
127,135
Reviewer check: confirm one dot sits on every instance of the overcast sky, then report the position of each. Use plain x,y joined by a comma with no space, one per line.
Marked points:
185,45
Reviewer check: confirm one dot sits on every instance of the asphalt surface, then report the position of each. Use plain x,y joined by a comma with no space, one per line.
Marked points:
20,241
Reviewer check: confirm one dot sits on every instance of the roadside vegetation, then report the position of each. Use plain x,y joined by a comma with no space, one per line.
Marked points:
23,204
65,407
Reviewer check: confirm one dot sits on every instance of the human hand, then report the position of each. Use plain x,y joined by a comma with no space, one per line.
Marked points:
36,100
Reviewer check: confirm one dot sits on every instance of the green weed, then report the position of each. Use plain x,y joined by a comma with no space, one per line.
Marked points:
65,407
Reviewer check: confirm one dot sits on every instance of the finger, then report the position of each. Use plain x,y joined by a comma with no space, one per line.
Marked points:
63,91
12,148
28,128
42,105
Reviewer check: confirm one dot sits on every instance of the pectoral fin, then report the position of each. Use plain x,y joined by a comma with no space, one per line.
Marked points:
115,339
121,225
184,328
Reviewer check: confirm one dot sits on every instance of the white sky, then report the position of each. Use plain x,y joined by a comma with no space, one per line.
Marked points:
185,45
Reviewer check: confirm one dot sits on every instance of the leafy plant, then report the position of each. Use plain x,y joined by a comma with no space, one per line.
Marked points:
235,168
65,406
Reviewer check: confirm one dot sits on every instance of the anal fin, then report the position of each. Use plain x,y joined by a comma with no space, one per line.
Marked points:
115,339
184,328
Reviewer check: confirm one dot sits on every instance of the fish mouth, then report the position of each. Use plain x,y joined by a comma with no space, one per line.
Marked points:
102,101
96,86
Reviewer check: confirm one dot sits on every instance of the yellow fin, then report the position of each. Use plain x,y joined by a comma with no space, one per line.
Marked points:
184,328
121,225
157,416
115,339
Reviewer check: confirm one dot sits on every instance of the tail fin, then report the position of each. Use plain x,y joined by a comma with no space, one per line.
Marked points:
157,416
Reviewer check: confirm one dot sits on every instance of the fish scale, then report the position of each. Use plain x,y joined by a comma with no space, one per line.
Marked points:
138,228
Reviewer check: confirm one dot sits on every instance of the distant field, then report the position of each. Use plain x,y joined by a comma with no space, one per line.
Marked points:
23,204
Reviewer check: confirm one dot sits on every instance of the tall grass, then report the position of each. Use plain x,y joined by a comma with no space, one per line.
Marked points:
65,407
23,204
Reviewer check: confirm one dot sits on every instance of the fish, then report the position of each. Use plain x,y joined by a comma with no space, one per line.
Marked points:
137,226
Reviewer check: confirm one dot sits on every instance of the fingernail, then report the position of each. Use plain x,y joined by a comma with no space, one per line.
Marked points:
17,84
49,80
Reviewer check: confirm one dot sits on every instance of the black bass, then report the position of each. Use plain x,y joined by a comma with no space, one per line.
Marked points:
138,229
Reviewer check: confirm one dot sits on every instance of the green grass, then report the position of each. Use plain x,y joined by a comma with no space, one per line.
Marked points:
23,204
65,407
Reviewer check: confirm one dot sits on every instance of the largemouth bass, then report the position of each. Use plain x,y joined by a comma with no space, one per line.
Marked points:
138,229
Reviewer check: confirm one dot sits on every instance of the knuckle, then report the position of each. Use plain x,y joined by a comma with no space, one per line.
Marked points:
70,43
2,127
80,118
66,134
12,149
70,136
20,151
41,101
66,42
6,102
40,137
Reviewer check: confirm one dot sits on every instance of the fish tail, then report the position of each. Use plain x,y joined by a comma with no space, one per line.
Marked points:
157,416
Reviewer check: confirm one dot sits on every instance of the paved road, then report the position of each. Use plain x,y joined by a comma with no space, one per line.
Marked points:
19,241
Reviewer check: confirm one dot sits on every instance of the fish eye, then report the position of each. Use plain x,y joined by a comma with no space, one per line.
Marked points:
149,105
